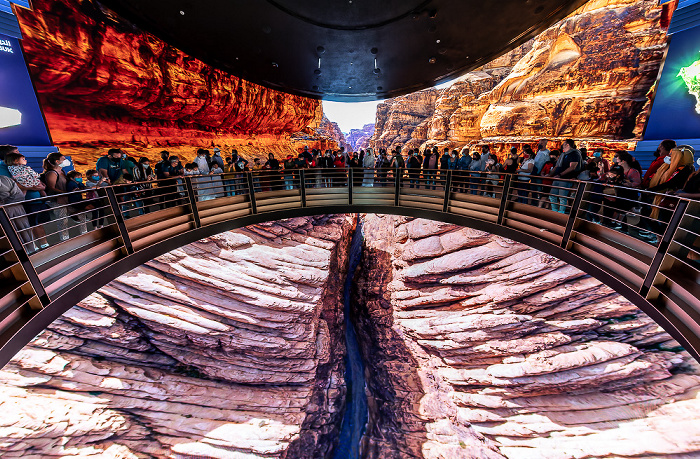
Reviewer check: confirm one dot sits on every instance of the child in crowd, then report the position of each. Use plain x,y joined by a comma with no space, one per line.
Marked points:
79,205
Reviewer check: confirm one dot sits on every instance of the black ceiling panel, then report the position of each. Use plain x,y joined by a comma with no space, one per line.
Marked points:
345,50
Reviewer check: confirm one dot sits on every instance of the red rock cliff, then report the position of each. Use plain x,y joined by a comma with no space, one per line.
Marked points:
102,82
586,77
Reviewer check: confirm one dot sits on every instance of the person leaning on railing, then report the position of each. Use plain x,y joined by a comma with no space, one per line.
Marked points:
56,180
10,193
669,178
568,167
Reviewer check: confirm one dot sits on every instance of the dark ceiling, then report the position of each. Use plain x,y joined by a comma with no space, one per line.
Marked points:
345,50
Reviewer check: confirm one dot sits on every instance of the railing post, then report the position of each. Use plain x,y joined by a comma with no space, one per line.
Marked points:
251,192
193,201
397,186
504,197
302,187
351,178
21,253
119,218
664,244
448,189
573,214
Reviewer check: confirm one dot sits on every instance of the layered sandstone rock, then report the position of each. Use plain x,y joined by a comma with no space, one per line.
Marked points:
400,118
586,77
359,138
230,347
102,82
478,346
331,130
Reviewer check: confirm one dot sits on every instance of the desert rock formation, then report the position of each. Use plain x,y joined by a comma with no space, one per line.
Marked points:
586,77
478,346
359,138
230,347
102,82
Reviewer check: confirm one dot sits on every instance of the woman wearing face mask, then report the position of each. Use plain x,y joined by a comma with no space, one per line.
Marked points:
56,181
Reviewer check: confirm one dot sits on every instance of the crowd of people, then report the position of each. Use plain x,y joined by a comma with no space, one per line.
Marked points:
543,178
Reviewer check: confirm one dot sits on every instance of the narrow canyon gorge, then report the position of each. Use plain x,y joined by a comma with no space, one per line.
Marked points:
473,346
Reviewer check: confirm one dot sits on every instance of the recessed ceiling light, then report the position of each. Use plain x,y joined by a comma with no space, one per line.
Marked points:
182,13
432,60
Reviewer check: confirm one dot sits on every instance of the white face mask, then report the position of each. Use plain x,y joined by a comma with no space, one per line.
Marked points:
698,161
667,160
65,163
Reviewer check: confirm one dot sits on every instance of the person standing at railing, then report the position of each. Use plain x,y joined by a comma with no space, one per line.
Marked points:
93,182
541,157
662,152
476,168
289,166
55,180
272,166
524,172
413,169
368,165
568,166
30,183
79,209
354,164
430,165
202,182
462,176
398,164
10,193
383,167
112,165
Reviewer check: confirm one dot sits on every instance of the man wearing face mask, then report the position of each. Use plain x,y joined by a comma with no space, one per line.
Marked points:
661,153
111,166
602,163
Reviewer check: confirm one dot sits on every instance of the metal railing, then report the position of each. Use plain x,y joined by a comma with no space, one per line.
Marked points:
59,249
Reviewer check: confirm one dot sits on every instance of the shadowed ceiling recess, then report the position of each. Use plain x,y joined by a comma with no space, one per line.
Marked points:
345,50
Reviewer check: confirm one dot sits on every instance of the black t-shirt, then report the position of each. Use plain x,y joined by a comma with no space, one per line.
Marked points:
573,156
693,184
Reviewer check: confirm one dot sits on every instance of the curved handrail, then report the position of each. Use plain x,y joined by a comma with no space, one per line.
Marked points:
653,262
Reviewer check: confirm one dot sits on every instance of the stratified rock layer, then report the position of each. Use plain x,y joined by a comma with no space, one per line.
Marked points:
359,138
230,347
586,77
480,347
103,82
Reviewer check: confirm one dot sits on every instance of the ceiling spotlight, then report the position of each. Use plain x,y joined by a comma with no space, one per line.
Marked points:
432,60
437,41
274,64
317,72
379,88
374,50
314,87
432,14
320,49
182,13
376,71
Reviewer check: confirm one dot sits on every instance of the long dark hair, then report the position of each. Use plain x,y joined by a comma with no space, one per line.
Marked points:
51,161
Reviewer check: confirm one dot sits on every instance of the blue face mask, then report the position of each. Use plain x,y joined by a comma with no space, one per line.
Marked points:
95,178
79,179
597,154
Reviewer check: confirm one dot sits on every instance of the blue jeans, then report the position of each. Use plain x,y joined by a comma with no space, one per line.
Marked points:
559,196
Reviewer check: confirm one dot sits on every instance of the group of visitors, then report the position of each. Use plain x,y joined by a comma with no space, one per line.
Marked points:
542,178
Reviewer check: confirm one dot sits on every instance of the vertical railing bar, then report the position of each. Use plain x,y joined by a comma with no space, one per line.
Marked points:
302,187
504,197
663,247
21,254
448,191
119,218
350,180
397,186
573,214
193,202
251,192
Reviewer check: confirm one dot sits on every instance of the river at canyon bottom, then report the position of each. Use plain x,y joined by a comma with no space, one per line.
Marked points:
356,412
